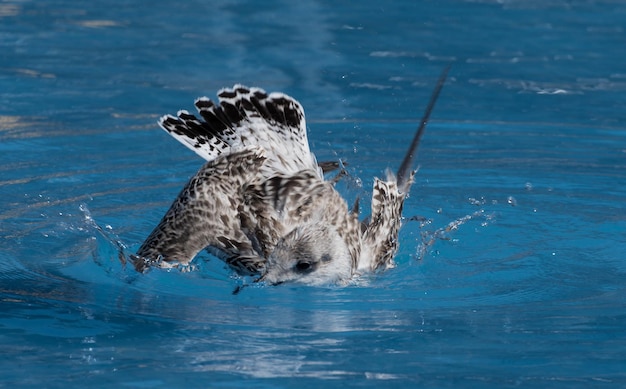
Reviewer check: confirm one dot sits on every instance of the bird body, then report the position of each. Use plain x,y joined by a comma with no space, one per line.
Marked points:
261,202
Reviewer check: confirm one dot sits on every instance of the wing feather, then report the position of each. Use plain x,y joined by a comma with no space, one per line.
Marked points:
206,214
247,117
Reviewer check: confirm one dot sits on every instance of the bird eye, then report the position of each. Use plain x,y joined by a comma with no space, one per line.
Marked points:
304,266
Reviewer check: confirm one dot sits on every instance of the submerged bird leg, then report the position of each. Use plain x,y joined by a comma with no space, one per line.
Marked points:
342,173
405,175
329,166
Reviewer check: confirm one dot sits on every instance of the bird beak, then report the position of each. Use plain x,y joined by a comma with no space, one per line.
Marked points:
263,279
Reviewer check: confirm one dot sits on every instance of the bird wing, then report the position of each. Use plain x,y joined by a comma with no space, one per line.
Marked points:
210,212
380,238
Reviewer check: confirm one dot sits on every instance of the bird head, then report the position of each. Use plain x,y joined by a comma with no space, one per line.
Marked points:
312,254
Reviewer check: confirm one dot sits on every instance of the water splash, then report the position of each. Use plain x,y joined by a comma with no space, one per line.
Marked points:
429,238
109,246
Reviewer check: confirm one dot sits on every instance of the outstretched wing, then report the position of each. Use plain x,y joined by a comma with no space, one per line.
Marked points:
247,117
380,238
209,213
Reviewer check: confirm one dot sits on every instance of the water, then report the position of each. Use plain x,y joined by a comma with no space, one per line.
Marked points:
511,273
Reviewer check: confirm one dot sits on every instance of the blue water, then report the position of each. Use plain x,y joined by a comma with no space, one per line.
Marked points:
511,273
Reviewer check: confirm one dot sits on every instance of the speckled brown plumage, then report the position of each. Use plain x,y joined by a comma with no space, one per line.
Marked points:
261,202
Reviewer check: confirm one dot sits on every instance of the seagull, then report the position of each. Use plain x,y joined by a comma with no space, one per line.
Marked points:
261,203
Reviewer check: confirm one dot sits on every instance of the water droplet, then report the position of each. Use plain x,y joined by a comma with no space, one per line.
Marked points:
511,200
474,201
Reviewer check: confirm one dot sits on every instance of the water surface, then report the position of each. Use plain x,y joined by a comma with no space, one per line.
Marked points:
511,268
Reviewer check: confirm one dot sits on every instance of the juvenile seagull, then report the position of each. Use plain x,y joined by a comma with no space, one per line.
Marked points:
261,202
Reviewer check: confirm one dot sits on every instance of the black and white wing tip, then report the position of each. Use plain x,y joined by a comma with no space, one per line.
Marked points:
244,117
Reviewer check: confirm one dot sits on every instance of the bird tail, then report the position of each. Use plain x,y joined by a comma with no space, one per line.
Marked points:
246,117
